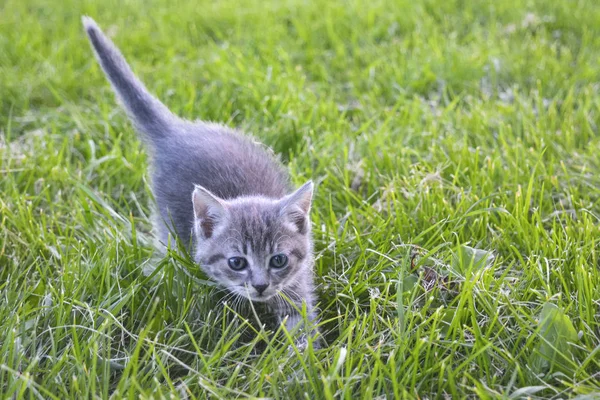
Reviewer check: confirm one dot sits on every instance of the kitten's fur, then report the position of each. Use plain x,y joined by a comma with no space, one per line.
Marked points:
222,194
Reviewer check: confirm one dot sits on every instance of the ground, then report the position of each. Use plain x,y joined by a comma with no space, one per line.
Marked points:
455,149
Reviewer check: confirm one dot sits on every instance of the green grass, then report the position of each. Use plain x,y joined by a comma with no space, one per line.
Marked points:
432,127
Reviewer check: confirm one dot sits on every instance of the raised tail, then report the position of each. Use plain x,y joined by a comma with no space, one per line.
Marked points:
149,115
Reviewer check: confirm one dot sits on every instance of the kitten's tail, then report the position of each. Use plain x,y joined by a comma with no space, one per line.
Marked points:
148,114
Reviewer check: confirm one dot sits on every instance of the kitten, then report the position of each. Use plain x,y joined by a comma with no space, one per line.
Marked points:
225,197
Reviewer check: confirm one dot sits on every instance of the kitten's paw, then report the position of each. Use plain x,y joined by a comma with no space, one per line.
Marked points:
300,345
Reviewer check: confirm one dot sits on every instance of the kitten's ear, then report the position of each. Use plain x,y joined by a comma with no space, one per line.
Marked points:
209,210
296,206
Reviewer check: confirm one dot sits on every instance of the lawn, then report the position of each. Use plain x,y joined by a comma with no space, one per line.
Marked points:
456,153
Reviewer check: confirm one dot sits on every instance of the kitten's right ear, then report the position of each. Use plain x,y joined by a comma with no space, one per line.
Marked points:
209,210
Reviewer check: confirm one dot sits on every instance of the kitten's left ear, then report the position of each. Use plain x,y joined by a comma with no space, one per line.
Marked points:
209,211
296,206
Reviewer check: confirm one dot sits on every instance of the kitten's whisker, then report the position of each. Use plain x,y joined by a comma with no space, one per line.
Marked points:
276,298
292,295
236,302
227,298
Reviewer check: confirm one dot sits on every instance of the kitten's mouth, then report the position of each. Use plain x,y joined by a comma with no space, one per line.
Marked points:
260,297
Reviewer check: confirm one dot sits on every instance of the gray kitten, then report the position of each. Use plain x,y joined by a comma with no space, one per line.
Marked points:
224,196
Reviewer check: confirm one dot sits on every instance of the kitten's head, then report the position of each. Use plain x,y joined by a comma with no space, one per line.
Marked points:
254,246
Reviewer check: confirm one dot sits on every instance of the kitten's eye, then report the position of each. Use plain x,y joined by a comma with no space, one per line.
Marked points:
278,261
237,263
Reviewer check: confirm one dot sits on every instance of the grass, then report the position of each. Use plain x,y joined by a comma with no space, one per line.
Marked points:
456,149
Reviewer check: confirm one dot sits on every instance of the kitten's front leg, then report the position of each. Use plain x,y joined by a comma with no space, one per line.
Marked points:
295,324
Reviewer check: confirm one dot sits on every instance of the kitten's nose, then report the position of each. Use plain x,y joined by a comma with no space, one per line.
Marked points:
260,288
